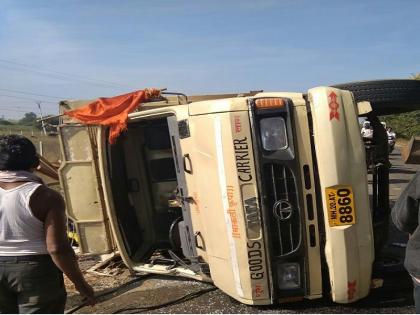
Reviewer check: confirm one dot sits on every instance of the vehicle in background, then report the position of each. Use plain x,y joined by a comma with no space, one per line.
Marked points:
263,194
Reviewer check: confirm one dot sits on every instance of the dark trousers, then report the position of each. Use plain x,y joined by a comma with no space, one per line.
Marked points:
31,284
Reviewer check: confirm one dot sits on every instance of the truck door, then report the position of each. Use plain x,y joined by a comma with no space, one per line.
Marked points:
80,180
182,165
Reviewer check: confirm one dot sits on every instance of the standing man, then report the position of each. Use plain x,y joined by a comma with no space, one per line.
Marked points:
34,250
406,216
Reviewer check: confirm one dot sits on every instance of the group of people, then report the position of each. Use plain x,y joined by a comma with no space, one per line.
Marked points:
35,252
367,130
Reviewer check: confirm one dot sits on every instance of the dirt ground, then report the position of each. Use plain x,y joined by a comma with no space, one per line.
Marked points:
111,278
143,290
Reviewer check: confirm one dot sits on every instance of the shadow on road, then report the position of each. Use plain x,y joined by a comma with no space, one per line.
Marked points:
401,170
399,181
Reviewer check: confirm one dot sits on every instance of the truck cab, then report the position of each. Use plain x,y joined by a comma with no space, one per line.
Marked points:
263,194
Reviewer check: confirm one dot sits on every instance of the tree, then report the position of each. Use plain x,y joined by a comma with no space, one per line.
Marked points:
28,119
416,76
5,122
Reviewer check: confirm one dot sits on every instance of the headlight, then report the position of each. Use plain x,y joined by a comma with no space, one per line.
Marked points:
289,276
273,133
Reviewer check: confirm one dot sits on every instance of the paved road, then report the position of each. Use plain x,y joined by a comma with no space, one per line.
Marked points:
394,297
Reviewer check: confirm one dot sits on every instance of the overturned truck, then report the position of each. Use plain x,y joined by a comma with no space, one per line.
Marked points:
263,194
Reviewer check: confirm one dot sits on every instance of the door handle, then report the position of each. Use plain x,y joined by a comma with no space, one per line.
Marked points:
196,236
186,159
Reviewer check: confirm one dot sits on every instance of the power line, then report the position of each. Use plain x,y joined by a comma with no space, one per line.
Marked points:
30,110
60,75
30,93
23,100
14,110
26,98
57,76
9,107
63,73
25,107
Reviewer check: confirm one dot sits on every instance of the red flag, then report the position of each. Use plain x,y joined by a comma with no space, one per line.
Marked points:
112,111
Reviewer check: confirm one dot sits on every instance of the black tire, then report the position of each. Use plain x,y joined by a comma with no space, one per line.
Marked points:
386,96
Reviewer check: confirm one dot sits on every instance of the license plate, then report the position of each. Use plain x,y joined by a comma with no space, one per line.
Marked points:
340,205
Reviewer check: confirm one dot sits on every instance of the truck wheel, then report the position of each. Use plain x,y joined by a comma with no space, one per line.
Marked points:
386,96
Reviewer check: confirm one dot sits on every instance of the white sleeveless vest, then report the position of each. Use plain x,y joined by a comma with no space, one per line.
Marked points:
21,233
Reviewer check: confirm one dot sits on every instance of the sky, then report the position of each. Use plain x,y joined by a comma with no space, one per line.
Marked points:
83,49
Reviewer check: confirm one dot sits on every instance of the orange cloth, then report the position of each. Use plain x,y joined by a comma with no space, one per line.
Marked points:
112,111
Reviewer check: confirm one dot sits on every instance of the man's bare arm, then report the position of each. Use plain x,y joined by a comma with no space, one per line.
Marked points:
58,245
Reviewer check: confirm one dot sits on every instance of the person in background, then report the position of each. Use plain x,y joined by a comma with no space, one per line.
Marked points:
391,132
391,139
367,131
34,250
405,215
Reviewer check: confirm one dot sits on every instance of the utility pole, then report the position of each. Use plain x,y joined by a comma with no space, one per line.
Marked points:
42,121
